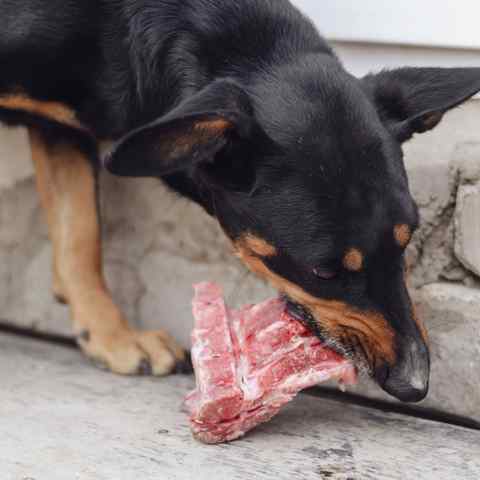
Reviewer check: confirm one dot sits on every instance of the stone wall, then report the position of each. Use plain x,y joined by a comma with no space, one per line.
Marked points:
156,245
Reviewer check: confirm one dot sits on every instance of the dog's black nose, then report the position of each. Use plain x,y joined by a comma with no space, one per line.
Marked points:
408,379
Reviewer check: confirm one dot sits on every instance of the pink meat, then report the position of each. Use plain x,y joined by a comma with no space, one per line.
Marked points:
249,363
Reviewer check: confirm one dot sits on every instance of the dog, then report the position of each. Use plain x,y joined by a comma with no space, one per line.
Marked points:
242,107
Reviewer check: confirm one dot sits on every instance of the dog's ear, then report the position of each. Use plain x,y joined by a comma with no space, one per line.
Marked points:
414,100
194,134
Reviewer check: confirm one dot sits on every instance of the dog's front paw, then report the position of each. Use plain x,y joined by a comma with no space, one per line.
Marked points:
132,352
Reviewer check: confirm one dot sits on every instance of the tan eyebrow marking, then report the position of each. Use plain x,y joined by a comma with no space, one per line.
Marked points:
353,260
402,234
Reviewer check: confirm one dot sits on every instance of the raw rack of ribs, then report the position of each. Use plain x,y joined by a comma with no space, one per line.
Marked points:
251,362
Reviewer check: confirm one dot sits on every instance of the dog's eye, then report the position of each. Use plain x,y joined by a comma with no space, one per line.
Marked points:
325,274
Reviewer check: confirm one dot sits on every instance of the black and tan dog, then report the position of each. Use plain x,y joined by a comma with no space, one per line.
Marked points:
243,107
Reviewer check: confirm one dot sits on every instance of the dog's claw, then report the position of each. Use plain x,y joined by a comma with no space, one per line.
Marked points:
184,367
145,368
131,352
84,336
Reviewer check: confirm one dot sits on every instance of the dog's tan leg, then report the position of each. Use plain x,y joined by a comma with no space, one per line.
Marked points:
66,184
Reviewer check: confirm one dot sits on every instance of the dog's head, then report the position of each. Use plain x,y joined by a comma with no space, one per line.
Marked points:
304,171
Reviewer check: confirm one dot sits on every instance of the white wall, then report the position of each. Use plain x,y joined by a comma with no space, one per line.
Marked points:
362,58
440,23
370,35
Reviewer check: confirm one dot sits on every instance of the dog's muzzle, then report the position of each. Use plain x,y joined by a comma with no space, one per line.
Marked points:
408,379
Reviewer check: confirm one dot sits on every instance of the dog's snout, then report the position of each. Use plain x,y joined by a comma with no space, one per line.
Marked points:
408,379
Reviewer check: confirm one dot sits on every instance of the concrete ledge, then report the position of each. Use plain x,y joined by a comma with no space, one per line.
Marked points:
62,419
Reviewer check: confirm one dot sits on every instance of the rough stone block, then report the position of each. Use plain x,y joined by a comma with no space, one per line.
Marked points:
467,227
434,161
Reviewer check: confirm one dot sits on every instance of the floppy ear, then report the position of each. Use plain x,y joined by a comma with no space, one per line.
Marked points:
414,100
192,134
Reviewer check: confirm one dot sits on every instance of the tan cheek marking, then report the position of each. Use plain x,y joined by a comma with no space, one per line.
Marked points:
51,110
336,317
402,234
353,260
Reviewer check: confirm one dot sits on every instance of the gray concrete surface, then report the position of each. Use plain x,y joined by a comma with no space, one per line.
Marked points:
61,419
157,245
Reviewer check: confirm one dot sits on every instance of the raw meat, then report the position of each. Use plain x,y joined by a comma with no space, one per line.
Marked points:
249,363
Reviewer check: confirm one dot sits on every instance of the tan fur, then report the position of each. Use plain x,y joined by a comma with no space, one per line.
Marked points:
54,111
202,132
218,126
259,246
66,185
402,234
337,318
432,120
420,325
353,260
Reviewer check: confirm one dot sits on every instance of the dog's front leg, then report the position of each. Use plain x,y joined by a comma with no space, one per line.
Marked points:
66,183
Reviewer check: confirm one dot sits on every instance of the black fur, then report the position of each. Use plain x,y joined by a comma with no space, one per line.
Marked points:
291,147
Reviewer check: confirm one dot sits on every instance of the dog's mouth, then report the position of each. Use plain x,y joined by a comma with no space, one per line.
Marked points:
304,316
348,351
